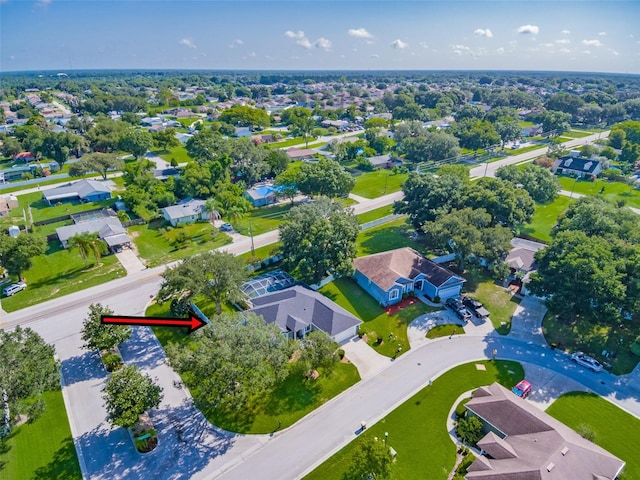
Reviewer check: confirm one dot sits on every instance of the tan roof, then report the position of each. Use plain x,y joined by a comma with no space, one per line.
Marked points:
385,268
528,444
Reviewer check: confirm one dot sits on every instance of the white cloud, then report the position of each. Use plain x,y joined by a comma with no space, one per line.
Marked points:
592,43
300,38
529,29
482,32
236,43
323,43
614,52
460,49
252,54
188,42
500,51
563,41
564,50
548,45
424,45
359,33
566,32
602,34
43,3
375,55
587,52
399,44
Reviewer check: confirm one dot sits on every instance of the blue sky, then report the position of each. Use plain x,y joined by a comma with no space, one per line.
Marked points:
597,36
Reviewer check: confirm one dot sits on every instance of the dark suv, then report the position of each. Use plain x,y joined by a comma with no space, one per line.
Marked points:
458,308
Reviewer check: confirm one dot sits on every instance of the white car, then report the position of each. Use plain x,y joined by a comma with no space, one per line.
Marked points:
15,288
586,361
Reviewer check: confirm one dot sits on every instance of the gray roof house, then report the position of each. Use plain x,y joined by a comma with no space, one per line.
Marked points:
83,190
298,311
108,229
524,443
188,211
577,167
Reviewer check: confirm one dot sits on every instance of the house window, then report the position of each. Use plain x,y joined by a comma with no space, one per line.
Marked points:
394,294
418,286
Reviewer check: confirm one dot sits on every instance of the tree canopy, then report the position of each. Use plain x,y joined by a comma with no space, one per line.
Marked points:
217,275
542,185
128,393
99,336
245,116
16,254
97,162
371,460
319,238
242,357
27,368
136,143
326,178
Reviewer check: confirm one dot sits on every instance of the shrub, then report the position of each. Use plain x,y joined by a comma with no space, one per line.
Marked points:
461,409
340,353
112,361
469,430
586,432
147,444
436,299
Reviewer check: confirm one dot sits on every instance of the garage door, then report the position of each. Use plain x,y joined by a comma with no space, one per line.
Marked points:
449,292
345,335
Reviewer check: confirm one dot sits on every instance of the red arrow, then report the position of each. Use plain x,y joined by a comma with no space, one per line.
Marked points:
193,323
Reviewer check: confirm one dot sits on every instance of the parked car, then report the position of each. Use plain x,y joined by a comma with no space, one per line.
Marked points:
14,288
455,304
586,361
522,389
475,306
226,227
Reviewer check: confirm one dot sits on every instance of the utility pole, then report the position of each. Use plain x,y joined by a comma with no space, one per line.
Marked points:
253,251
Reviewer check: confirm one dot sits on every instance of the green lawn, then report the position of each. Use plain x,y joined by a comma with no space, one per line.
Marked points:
349,295
157,241
59,272
526,149
545,218
288,403
261,252
417,428
263,219
375,214
495,298
576,134
613,191
43,449
615,430
592,336
377,183
42,211
179,153
298,141
386,237
445,330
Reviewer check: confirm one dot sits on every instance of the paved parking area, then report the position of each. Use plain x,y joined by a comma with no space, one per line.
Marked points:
526,324
548,385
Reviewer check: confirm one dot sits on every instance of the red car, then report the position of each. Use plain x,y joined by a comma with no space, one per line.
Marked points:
522,389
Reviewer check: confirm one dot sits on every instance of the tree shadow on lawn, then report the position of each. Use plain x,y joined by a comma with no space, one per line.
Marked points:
64,464
80,368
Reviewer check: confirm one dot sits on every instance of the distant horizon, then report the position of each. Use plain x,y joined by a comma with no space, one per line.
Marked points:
393,35
54,71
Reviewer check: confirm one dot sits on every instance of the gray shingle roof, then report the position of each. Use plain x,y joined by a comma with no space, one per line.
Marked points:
104,227
186,209
81,189
532,445
295,307
385,268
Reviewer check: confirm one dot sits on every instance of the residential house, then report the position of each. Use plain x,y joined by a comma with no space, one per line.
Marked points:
25,157
298,311
261,195
577,167
187,211
524,443
521,261
300,153
533,131
7,202
385,161
386,276
339,124
82,191
108,229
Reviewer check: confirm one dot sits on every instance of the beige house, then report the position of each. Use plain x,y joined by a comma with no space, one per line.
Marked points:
7,202
524,443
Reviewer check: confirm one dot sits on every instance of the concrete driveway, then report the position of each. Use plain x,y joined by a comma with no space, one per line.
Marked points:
526,324
130,261
368,362
418,329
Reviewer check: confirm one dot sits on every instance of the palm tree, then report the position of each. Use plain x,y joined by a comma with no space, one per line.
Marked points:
98,248
210,207
83,242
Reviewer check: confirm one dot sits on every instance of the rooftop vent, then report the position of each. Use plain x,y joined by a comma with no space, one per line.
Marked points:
564,451
588,165
550,466
568,162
